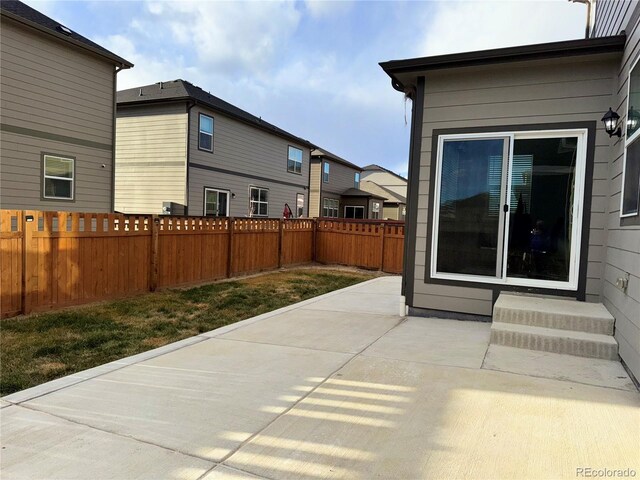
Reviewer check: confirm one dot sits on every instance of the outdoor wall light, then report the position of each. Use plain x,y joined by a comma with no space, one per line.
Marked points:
610,121
633,120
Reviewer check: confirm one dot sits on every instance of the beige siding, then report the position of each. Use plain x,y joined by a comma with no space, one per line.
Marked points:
257,157
525,93
64,97
315,205
151,153
387,180
622,253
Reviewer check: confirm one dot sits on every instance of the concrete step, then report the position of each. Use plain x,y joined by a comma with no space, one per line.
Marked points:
553,340
553,313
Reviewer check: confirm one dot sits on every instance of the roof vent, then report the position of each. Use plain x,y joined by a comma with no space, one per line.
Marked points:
63,29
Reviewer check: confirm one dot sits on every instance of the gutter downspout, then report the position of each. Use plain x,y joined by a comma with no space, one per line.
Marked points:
190,105
590,15
113,134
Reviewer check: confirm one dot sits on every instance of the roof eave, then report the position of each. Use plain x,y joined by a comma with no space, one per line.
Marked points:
113,58
568,48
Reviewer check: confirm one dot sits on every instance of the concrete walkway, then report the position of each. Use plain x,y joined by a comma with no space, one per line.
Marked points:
335,387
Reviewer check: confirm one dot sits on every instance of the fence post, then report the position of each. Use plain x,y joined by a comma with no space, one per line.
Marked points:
280,233
153,270
27,221
230,225
314,240
382,228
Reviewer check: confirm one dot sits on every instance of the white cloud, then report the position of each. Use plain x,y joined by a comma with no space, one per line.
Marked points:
328,8
472,25
230,36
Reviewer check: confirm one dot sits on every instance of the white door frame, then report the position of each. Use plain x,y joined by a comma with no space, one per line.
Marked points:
577,213
217,190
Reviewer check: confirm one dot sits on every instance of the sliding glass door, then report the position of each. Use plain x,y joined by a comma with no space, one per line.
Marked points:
508,208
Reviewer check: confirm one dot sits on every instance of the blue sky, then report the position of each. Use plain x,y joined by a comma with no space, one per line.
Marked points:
310,67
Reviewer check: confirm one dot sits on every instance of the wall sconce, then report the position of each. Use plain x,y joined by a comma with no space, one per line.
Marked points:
610,121
233,195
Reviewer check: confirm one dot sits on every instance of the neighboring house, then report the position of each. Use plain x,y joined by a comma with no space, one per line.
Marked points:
394,204
385,178
58,115
334,187
566,221
181,150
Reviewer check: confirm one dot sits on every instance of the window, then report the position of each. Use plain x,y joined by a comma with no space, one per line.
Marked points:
353,212
294,160
325,172
205,139
330,208
216,202
299,205
58,178
258,202
630,197
375,210
356,180
507,207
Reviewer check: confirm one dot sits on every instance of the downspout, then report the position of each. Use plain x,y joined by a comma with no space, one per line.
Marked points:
113,134
591,11
190,105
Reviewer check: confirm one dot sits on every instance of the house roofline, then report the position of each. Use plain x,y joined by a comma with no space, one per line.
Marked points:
375,167
567,48
115,59
334,157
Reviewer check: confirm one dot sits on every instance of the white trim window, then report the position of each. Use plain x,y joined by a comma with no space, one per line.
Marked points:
506,210
354,211
325,172
330,207
216,202
356,180
205,136
630,187
294,160
258,202
58,177
375,210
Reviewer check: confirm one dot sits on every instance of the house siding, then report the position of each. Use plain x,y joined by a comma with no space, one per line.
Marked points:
151,157
622,252
243,156
341,177
55,99
523,93
387,180
612,16
315,202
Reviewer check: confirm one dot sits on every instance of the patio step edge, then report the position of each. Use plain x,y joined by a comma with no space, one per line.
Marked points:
553,313
568,342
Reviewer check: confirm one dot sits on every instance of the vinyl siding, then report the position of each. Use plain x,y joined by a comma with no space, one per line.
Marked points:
151,153
341,177
258,157
57,90
513,94
622,253
612,16
315,204
387,180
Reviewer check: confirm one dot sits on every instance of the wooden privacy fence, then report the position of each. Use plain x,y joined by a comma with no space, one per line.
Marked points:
56,259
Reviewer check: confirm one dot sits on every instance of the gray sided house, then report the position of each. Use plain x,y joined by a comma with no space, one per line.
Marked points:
181,150
57,121
514,184
391,186
335,189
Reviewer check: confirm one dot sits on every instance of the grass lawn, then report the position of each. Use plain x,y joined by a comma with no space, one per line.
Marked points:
38,348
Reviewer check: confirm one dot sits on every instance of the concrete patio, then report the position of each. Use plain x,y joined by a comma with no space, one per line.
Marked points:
334,387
